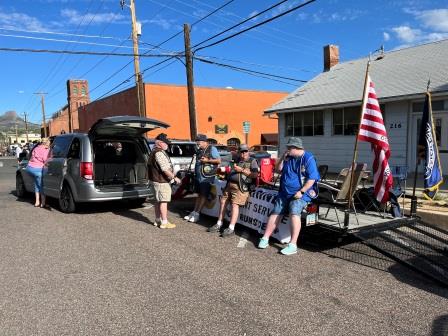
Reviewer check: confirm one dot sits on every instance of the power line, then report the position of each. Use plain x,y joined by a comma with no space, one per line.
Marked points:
162,43
249,70
71,52
240,23
256,25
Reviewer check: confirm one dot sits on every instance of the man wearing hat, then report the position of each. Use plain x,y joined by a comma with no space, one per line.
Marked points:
160,172
244,172
207,161
298,186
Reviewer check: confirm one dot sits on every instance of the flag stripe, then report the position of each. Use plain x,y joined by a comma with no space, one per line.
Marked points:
372,130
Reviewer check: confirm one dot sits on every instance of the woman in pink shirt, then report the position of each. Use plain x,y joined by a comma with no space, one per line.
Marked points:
35,167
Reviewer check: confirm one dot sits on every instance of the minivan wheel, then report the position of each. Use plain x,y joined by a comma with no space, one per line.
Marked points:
66,202
20,186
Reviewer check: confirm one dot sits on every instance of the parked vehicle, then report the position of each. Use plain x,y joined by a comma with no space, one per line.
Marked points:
108,163
181,153
225,154
258,149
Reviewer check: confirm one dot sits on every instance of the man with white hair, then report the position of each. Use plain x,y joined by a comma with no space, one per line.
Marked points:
160,171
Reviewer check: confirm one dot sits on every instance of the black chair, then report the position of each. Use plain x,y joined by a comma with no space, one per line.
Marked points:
323,170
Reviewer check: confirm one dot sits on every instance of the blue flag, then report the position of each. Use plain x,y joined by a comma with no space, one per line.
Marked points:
427,150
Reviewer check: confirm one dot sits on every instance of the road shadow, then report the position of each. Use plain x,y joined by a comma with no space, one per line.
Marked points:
440,326
134,215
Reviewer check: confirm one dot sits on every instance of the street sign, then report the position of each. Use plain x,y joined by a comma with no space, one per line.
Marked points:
246,127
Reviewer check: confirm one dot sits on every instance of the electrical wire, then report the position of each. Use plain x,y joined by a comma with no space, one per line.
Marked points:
248,70
256,25
240,23
71,52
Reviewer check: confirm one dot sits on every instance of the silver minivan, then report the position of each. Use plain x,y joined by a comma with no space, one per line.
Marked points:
107,163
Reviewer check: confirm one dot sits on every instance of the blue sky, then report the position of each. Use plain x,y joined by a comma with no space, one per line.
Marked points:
290,46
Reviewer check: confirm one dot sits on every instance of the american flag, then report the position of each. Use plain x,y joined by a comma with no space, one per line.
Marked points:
372,130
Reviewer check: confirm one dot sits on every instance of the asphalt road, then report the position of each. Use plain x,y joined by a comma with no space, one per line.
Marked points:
108,271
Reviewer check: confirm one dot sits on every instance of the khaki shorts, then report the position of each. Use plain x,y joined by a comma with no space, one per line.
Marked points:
236,196
162,191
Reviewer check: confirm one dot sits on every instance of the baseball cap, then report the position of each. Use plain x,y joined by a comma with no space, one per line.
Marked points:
162,137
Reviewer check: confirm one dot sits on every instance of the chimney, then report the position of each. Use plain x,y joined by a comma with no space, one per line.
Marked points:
331,56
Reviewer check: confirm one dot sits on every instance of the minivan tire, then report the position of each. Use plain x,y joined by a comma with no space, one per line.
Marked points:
66,202
20,186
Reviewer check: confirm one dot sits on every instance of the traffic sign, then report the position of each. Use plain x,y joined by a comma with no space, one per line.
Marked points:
246,126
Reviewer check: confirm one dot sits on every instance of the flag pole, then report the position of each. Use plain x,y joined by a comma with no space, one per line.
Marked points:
355,151
413,210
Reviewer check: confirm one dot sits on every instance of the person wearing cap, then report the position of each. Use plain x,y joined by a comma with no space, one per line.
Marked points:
298,186
207,161
237,190
161,174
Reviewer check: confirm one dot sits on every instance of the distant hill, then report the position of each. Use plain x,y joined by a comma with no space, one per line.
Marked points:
8,122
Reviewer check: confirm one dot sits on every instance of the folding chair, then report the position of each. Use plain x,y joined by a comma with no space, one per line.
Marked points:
323,170
337,197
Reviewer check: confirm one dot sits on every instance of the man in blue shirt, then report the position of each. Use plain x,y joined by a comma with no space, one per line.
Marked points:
207,161
298,186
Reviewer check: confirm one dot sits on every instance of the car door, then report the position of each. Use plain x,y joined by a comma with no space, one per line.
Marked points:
56,165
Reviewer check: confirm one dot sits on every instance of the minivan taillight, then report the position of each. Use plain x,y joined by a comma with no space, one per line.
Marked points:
86,170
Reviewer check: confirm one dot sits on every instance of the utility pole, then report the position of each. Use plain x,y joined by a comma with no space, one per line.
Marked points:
190,83
42,94
138,76
26,127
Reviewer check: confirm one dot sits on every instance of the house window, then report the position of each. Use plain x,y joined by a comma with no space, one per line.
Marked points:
346,120
308,123
437,105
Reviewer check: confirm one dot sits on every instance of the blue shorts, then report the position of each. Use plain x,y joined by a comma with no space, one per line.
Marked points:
283,206
36,173
203,187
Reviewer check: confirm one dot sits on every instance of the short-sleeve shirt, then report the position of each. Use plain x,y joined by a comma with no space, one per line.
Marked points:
295,173
163,161
214,154
233,177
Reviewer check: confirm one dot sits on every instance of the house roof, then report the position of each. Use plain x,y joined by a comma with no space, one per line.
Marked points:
398,74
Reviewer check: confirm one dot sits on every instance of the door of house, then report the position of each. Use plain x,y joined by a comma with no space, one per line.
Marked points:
441,128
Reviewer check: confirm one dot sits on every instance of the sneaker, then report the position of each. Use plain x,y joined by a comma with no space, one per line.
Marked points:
227,232
167,226
194,218
264,243
214,228
290,249
157,222
187,217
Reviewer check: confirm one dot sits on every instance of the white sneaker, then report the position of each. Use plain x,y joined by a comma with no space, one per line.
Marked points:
194,218
190,215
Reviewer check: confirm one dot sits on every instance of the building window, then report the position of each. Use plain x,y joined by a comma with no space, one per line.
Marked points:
346,120
437,105
308,123
75,90
83,90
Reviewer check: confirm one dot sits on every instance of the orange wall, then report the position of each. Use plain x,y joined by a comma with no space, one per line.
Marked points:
169,103
225,106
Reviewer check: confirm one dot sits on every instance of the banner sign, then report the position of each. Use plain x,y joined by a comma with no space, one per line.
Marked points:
254,214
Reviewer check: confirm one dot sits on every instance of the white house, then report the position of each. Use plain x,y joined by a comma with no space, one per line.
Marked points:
325,112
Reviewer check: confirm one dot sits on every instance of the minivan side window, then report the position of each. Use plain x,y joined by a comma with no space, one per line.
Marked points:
60,146
73,152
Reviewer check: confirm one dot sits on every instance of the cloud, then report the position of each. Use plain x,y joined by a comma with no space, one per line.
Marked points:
433,26
386,36
21,21
165,24
435,19
74,17
407,34
252,14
